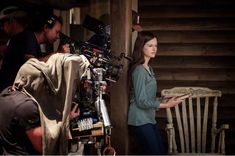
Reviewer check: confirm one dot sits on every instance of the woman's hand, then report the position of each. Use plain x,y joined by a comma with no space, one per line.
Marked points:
172,102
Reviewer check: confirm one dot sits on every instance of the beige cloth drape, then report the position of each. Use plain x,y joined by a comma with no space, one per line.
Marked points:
51,84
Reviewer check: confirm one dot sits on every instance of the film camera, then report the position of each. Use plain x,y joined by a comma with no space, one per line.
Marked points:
93,124
97,49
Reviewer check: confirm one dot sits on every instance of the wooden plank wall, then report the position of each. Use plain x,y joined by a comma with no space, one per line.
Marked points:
196,48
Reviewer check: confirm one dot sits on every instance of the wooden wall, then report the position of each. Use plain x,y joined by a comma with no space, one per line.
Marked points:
196,48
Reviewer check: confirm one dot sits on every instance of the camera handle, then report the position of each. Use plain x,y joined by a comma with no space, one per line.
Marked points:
102,111
100,103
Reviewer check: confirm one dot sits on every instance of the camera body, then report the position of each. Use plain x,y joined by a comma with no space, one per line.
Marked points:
93,124
99,57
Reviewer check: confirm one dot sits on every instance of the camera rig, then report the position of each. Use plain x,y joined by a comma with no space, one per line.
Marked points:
93,125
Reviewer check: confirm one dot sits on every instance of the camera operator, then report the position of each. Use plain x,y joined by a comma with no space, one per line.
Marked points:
35,113
21,133
25,45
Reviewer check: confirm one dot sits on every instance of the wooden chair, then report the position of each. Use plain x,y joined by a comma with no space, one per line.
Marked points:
193,118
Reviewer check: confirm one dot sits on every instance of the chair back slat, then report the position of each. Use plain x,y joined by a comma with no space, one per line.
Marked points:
192,129
198,125
180,128
204,127
192,119
185,126
214,121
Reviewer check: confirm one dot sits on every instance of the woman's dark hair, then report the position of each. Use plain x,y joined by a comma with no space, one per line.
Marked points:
138,55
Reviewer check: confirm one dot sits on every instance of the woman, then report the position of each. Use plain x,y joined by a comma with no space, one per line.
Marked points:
143,101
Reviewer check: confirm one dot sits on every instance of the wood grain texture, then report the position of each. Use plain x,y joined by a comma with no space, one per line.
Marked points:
196,47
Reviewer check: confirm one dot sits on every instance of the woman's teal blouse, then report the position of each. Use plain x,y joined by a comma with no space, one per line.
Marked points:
143,101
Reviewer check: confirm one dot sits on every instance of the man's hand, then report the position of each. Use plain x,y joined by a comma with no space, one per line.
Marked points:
64,48
75,112
35,136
